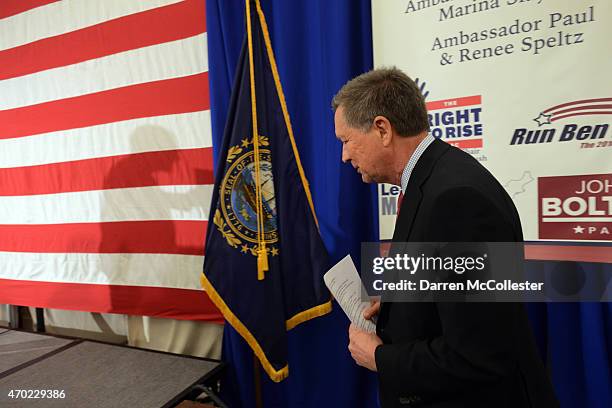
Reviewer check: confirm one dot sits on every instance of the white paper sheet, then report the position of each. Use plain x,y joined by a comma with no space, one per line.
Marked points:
345,285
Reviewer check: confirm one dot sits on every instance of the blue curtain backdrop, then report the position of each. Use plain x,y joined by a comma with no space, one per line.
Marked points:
576,340
319,45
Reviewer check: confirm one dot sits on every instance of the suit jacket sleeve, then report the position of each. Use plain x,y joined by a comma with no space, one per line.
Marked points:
476,346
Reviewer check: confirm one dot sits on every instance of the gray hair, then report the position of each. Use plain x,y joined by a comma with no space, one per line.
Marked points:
384,92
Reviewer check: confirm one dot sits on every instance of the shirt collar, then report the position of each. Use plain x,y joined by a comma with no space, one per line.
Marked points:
413,161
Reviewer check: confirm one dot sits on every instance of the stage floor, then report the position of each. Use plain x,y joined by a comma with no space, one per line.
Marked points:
93,374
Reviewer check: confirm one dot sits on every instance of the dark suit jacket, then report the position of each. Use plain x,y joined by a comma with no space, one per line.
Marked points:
458,354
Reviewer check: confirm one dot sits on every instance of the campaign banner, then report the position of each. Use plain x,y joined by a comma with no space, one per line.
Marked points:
522,85
575,207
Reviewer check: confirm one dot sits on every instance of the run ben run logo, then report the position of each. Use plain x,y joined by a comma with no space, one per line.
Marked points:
543,133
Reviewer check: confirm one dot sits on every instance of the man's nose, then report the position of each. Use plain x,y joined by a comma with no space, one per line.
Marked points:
345,155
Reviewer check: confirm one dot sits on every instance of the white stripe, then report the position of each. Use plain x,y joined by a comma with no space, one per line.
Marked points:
66,16
181,131
122,204
577,219
159,270
161,61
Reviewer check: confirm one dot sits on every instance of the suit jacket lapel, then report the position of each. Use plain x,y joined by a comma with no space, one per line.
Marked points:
414,195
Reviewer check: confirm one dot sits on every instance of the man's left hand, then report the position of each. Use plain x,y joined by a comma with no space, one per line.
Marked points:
362,346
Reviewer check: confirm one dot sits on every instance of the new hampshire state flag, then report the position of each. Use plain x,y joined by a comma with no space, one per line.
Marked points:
264,259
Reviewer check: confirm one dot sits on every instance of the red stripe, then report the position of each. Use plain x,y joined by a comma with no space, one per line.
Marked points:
568,253
454,102
145,237
582,107
11,7
466,144
156,26
182,304
563,105
162,168
555,118
165,97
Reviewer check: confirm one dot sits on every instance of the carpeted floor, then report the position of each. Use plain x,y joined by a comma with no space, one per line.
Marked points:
94,374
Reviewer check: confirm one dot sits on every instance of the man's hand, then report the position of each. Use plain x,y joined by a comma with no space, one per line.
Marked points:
362,346
373,310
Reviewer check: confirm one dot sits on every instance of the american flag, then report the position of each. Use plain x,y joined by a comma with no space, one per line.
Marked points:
105,156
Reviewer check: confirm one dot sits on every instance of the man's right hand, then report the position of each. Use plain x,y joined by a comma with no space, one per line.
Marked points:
372,310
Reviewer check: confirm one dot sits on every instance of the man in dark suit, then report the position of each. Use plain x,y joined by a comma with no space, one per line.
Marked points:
436,354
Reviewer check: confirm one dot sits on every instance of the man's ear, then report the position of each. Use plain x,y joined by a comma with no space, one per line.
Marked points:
384,129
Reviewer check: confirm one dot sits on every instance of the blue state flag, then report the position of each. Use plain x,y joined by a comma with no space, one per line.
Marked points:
265,259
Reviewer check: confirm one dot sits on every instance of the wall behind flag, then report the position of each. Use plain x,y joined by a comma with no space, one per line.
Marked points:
525,87
105,156
318,45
